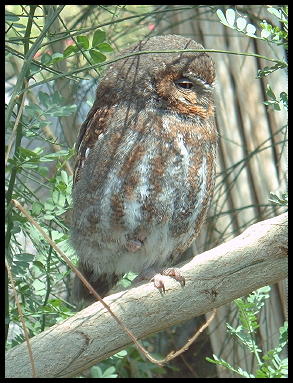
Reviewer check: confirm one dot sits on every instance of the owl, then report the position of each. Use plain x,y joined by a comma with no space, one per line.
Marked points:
145,167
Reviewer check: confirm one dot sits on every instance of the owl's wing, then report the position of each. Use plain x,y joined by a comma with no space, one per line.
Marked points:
94,125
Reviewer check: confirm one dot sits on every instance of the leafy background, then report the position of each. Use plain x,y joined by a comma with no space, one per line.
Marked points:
55,56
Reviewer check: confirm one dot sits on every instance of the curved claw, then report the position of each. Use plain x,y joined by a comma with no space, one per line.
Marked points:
174,273
158,282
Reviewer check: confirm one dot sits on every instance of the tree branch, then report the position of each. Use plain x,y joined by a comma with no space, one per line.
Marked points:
256,258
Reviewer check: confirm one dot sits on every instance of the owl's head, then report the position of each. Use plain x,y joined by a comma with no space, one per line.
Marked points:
178,81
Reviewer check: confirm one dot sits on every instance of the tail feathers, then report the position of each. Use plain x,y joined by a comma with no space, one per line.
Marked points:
101,283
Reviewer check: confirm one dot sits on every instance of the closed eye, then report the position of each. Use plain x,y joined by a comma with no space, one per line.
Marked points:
184,83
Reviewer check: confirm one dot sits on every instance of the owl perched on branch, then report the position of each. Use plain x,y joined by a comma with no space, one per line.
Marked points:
145,168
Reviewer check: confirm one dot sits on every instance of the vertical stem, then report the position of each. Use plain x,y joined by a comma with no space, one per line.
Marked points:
18,139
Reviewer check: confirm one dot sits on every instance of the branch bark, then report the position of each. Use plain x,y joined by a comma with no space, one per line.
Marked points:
256,258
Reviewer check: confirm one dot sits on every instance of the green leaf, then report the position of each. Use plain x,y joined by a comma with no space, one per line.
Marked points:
104,47
34,69
284,99
46,58
44,99
275,12
96,372
265,34
98,38
9,16
83,42
109,372
57,56
120,354
267,70
250,29
270,92
28,153
36,208
230,17
97,56
283,334
39,287
24,257
54,156
69,50
58,198
20,26
222,18
241,23
48,217
64,177
43,171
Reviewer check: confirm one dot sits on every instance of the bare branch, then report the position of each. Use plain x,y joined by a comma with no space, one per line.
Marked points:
256,258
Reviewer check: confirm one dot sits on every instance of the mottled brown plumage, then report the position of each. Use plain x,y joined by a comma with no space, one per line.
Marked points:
145,168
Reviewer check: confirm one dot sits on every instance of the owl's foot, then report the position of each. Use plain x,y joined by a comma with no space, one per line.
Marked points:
158,278
172,272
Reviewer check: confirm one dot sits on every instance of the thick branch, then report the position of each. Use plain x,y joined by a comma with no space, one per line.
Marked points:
256,258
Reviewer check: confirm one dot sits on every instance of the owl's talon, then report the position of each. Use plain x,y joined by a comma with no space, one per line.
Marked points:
175,273
158,282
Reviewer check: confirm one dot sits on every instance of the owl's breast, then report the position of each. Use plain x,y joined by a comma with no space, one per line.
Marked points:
136,181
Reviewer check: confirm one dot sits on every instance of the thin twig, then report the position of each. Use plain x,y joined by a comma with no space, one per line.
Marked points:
13,133
137,53
173,354
26,335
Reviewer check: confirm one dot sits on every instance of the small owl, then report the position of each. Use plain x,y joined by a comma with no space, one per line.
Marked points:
145,168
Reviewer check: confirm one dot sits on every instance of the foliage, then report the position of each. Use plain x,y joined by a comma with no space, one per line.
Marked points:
270,364
280,201
268,32
127,364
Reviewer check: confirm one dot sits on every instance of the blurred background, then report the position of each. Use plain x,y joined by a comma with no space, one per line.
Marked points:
55,56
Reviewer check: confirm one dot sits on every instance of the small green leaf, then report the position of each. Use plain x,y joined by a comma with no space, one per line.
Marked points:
58,198
9,16
20,26
57,56
241,23
104,47
69,50
270,92
46,58
44,98
39,287
28,153
222,18
34,69
98,38
24,257
48,217
54,156
43,171
284,99
275,12
97,56
250,29
36,208
83,42
109,372
265,34
230,16
96,372
121,354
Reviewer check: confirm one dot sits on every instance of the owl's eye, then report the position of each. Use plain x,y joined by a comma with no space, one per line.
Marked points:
184,83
